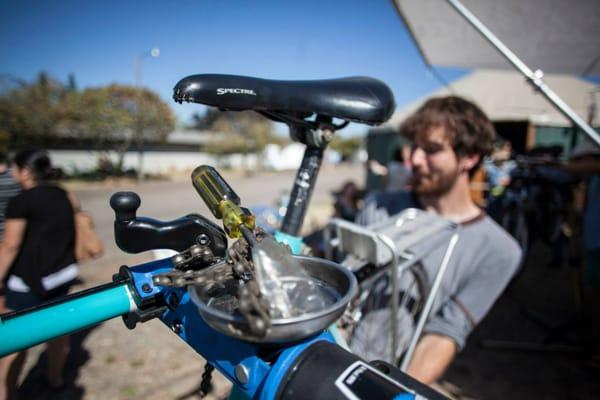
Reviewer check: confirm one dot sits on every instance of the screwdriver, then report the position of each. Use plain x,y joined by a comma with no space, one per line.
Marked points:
224,203
272,262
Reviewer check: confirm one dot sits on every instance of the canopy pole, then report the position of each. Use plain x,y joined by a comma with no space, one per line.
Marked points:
534,78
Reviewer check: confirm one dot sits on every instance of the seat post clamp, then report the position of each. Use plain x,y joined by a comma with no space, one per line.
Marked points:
318,138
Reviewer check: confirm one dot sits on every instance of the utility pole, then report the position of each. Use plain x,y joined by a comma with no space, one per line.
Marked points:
139,129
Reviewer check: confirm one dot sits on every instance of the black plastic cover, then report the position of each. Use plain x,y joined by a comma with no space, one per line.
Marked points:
326,371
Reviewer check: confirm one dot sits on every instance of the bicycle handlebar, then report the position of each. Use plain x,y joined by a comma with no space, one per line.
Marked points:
26,328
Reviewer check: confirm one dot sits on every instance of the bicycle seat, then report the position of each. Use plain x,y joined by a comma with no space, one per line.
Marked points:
357,99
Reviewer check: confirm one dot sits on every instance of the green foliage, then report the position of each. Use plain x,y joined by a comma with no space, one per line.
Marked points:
236,132
4,141
30,112
206,121
110,114
71,83
346,147
45,110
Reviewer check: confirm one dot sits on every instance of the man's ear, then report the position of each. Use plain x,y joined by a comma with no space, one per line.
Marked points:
469,161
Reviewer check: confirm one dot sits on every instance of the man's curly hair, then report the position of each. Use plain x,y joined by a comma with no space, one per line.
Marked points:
468,128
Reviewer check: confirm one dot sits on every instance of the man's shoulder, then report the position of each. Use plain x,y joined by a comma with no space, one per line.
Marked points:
497,244
498,232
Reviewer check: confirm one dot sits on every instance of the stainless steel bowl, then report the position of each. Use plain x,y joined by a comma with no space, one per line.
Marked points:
282,330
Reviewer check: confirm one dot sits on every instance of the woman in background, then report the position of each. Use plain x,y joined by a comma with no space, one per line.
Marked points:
37,258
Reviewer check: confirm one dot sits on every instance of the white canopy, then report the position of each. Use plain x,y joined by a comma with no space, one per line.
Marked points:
506,96
556,36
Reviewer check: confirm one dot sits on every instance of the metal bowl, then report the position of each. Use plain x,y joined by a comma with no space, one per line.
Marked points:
282,330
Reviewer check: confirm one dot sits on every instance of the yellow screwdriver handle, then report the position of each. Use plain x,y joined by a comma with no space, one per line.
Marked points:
213,189
234,216
222,201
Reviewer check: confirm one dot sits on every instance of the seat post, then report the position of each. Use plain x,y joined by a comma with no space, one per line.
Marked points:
316,141
302,190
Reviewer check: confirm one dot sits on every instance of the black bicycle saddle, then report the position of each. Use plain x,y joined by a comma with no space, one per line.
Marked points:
357,99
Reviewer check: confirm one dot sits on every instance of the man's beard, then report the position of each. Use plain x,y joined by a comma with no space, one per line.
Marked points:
434,184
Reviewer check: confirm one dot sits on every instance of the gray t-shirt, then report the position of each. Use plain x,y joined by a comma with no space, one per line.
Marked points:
8,189
484,260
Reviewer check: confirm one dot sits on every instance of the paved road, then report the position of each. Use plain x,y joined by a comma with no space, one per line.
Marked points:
169,200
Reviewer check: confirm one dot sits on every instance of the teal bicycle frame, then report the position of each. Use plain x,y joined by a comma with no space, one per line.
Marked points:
23,329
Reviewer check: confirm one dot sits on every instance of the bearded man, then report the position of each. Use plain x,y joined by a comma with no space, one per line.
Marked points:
450,137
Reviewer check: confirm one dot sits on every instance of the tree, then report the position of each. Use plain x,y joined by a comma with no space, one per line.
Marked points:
30,112
238,131
109,114
206,121
346,146
44,110
71,83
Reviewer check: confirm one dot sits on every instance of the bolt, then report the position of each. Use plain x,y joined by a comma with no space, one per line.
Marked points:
207,255
195,250
146,288
161,280
177,327
173,300
242,374
327,135
203,240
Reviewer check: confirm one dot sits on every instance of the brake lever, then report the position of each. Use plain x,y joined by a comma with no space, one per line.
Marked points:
136,234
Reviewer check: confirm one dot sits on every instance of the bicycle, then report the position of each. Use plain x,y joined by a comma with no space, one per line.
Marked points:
264,357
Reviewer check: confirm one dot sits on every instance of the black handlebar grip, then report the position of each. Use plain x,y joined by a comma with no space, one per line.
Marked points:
125,205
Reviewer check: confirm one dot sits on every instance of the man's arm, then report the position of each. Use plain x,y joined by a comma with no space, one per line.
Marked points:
447,330
432,356
13,236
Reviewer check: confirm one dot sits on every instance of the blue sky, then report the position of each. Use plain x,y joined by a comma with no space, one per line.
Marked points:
99,41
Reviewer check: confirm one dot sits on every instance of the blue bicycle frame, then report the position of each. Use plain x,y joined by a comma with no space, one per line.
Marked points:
261,376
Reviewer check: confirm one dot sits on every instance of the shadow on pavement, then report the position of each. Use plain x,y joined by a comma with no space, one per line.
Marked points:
34,384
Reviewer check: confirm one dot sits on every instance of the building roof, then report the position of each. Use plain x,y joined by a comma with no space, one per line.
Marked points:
191,137
507,96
